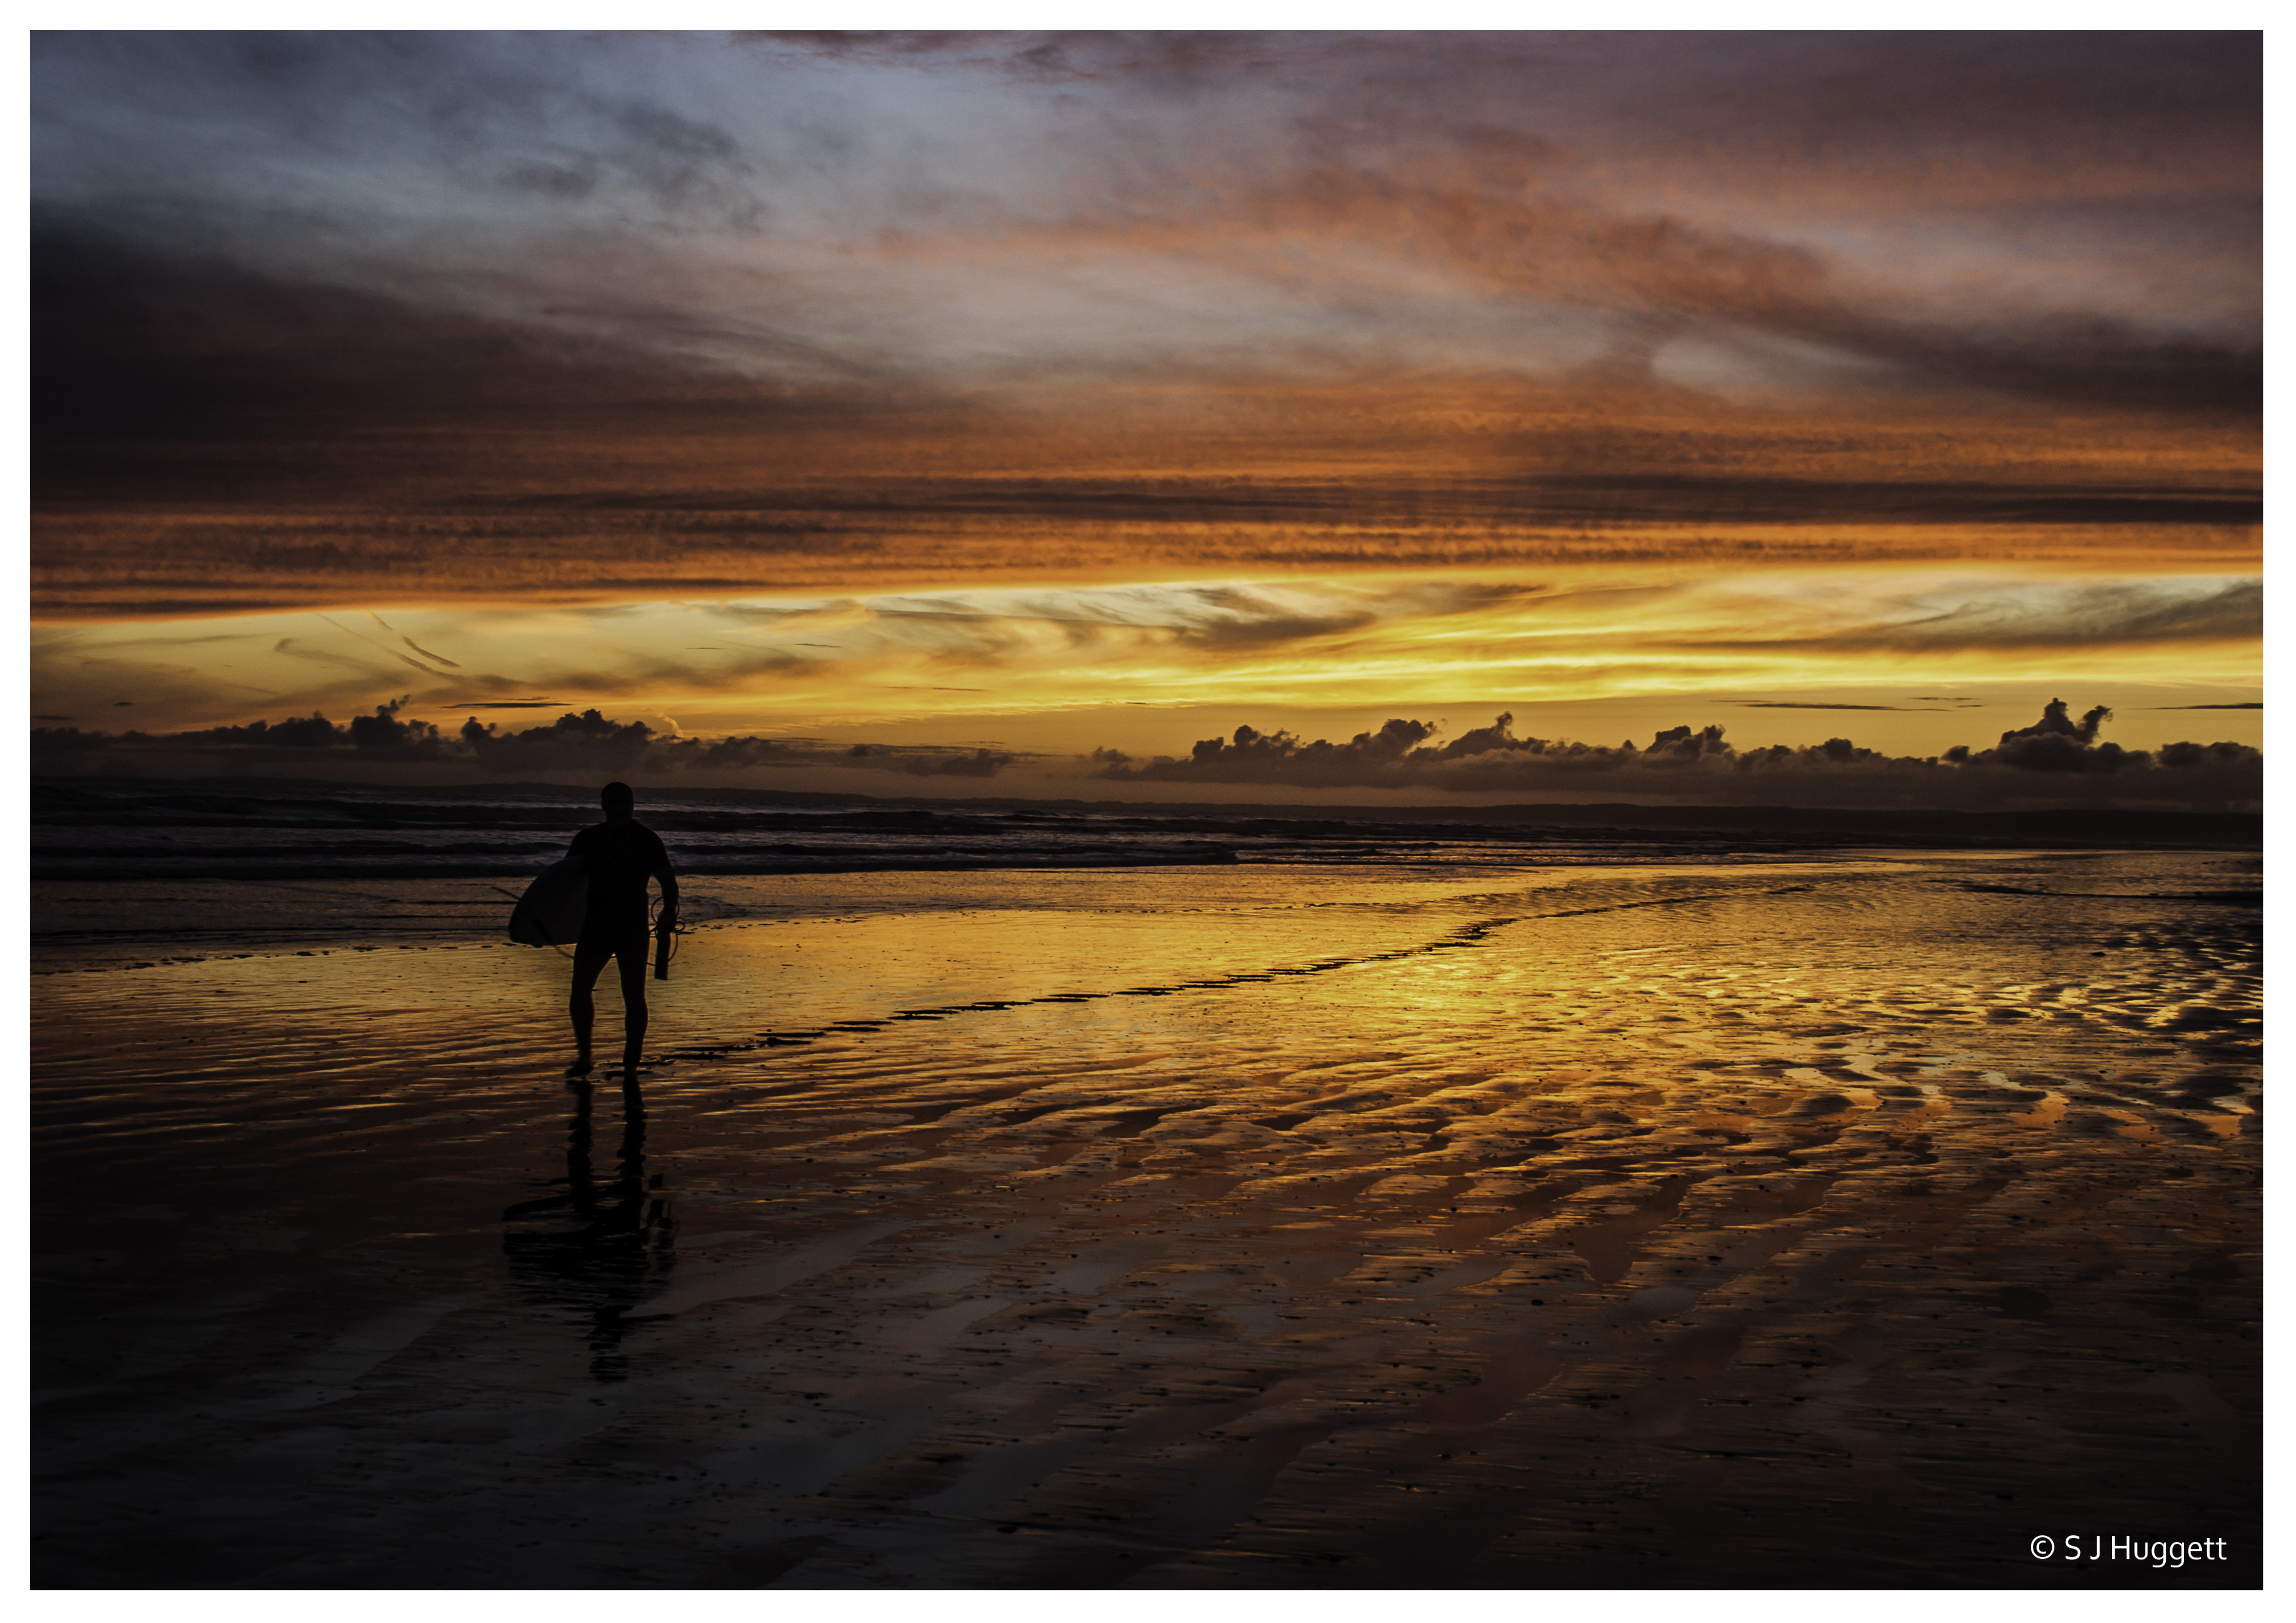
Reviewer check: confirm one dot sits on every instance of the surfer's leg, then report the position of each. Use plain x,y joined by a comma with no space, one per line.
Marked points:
589,959
630,960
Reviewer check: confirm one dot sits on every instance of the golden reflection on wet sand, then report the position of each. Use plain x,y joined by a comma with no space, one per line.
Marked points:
1836,1223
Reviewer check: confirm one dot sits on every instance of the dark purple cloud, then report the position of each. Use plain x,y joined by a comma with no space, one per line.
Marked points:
1694,765
584,742
2090,201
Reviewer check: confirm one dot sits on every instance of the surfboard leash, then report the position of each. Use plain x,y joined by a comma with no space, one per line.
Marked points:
665,941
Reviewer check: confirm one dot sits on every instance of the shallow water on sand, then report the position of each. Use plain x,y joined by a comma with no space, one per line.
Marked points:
1840,1222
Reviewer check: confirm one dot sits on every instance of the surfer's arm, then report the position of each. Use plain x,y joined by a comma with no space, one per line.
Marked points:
667,880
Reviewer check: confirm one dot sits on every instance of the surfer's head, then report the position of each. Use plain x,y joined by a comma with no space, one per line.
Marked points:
620,800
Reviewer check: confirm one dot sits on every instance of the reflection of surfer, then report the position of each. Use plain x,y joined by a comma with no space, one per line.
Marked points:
618,856
625,1243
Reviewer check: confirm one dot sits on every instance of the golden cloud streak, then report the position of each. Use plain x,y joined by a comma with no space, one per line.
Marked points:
1504,638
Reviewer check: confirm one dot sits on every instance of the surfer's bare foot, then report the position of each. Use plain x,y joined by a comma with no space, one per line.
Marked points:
582,1066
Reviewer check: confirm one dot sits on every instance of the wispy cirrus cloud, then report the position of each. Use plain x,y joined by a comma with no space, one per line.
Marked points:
1569,634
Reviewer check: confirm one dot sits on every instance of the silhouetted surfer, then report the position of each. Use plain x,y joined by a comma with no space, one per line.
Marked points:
618,856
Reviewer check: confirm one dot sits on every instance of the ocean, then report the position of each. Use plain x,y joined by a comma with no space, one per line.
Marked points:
130,872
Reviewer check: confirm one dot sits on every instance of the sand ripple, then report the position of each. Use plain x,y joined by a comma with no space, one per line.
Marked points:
1848,1224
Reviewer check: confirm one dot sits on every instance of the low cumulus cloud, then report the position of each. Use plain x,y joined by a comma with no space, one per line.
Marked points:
2056,758
587,742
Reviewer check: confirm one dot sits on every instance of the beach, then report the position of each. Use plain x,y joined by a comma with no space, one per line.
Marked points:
1854,1221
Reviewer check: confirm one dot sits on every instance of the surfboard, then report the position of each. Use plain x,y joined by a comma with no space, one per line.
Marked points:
550,913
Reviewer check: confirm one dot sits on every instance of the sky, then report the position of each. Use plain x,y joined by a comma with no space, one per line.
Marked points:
1023,411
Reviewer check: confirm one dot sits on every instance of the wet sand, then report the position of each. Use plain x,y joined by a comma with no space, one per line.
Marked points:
1841,1224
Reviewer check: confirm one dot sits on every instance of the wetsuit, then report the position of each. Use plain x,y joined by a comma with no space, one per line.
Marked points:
618,859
